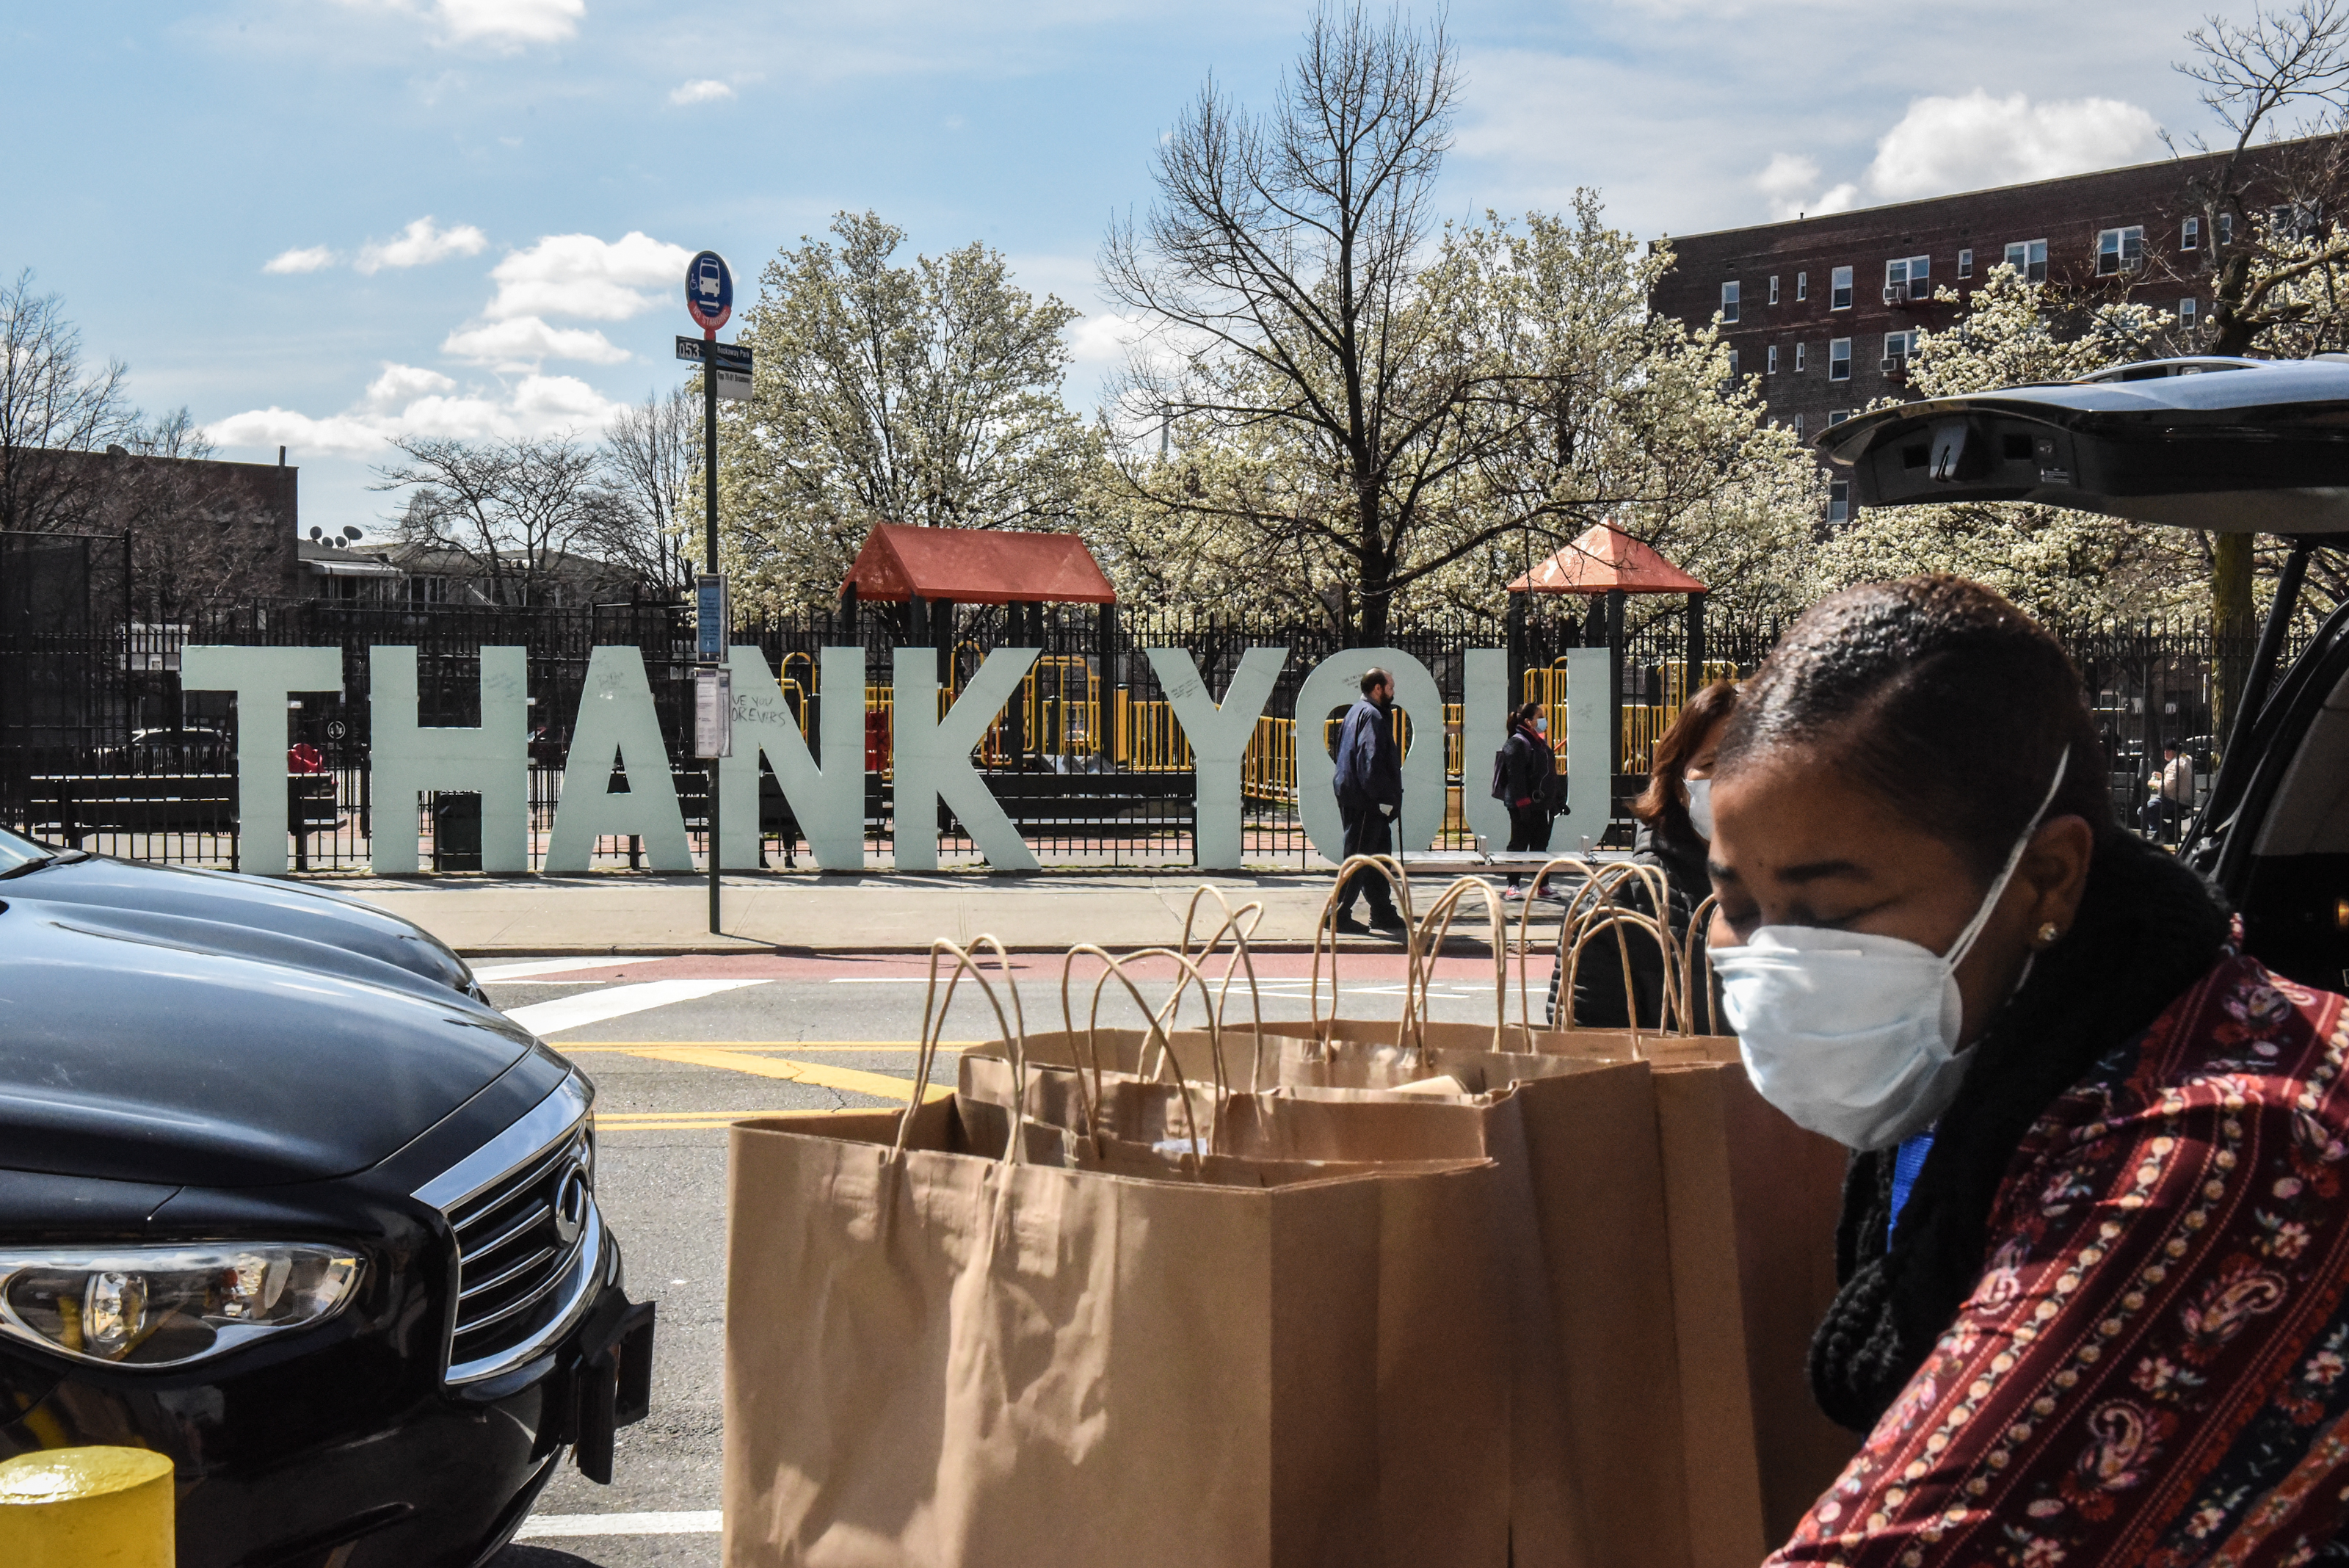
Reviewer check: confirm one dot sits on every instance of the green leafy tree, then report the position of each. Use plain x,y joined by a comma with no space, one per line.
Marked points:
926,394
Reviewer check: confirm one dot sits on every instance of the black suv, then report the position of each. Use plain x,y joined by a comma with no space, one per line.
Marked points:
2227,446
284,1198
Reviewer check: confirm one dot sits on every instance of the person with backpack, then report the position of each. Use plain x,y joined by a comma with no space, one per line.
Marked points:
1524,779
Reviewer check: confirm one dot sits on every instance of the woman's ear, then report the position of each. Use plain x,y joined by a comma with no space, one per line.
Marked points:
2055,868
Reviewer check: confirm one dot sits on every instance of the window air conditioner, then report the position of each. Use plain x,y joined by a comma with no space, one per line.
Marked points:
1894,365
1895,294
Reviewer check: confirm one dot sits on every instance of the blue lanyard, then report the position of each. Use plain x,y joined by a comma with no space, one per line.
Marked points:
1906,1163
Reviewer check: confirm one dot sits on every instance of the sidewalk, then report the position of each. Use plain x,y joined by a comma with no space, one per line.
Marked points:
558,916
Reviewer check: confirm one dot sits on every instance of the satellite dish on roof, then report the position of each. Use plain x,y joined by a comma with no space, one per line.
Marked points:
351,533
317,534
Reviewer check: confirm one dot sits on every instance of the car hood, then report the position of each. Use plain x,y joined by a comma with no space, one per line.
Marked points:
221,912
128,1056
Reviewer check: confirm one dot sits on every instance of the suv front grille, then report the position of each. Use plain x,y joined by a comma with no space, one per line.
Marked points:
530,1243
516,1243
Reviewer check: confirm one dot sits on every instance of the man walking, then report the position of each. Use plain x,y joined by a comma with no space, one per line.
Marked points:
1369,795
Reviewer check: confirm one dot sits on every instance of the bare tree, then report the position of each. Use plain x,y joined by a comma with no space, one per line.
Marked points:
2286,59
511,509
652,455
1278,268
50,403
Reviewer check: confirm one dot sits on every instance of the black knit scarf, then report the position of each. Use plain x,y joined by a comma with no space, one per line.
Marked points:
2147,929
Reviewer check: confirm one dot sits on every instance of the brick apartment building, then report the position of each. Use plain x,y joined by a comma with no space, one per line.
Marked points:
1824,311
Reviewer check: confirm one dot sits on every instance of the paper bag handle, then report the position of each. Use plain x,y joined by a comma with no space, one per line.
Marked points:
1439,920
934,1018
1240,925
1408,1035
1112,965
1525,924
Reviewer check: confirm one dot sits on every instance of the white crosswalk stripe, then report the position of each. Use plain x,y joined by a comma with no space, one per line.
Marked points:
557,1526
618,1002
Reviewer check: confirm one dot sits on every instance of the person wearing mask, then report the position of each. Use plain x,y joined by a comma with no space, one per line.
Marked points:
1675,817
2094,1232
1529,783
1369,795
2172,795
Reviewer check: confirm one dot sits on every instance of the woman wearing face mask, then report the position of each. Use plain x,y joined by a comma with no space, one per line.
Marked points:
1675,820
2096,1234
1531,769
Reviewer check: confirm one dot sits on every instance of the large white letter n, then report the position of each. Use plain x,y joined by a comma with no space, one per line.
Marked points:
933,758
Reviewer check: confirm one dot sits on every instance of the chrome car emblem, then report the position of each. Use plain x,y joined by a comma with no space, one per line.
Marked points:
571,1204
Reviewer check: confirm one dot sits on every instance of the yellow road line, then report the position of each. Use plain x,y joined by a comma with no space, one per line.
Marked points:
880,1086
802,1047
667,1121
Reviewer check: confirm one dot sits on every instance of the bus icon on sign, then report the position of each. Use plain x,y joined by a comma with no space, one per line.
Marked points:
709,291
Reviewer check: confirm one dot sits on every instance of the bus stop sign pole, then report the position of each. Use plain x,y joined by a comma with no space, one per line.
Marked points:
710,300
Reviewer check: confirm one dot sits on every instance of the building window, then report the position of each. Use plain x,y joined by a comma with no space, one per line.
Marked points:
1802,285
1802,352
2119,251
2189,235
1798,427
2029,258
2185,313
2226,228
1732,364
1839,290
1839,500
1898,349
1965,263
1836,416
1728,302
1839,360
1906,279
1773,288
1770,365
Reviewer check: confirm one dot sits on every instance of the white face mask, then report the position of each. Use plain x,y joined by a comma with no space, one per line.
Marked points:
1700,806
1541,726
1856,1036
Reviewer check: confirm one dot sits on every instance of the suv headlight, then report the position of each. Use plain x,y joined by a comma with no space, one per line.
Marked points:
166,1305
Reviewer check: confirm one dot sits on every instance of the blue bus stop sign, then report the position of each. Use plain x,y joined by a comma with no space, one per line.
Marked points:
709,291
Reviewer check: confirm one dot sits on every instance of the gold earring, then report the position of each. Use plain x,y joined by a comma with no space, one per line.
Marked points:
2047,934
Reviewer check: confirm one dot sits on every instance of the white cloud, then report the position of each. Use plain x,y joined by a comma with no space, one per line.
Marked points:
1102,339
579,275
407,399
1789,181
420,245
699,92
1945,145
525,340
493,21
400,385
303,259
1970,143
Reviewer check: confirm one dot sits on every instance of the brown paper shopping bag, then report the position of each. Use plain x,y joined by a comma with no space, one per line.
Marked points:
1751,1200
938,1355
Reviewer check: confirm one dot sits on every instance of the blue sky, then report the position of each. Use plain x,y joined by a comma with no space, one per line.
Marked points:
476,210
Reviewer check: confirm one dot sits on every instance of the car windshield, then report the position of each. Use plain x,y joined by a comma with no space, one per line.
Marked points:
18,853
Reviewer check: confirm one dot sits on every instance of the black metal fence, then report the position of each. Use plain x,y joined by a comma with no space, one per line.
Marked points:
100,745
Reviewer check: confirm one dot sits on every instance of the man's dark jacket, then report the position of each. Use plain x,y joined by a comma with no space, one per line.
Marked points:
1370,763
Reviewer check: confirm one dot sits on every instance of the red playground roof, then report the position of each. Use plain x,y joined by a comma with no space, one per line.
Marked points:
1606,559
976,567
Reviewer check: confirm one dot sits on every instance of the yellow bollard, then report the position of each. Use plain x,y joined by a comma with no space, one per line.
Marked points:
85,1508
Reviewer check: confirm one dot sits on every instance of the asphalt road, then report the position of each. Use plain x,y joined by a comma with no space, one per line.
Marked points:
678,1047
